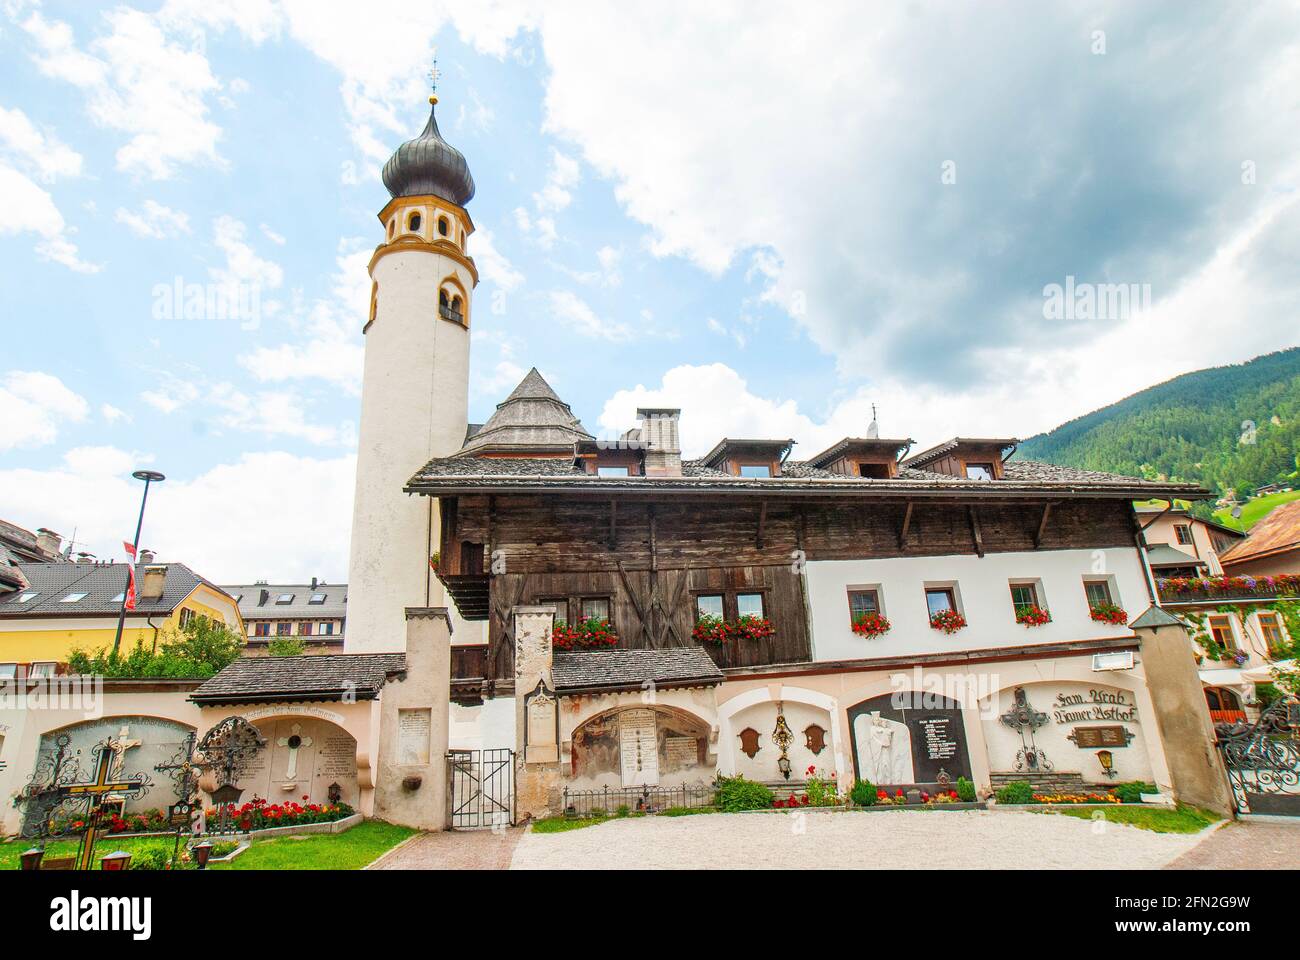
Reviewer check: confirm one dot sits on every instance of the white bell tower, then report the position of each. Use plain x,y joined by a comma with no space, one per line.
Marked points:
415,390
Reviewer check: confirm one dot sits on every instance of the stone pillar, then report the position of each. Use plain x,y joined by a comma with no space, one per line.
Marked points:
411,780
537,751
1186,731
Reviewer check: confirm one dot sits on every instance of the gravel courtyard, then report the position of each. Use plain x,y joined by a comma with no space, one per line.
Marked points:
798,840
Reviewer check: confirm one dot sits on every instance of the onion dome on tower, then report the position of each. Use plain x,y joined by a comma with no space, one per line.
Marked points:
429,165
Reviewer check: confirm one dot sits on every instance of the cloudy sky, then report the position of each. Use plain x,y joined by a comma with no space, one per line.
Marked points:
772,220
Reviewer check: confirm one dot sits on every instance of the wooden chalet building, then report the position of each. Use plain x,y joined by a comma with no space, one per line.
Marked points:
537,515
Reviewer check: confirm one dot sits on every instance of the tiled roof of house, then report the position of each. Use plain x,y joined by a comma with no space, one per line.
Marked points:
327,677
253,605
49,584
534,473
575,671
1278,532
531,418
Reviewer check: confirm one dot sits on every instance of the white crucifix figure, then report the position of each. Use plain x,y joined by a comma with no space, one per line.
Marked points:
120,745
293,742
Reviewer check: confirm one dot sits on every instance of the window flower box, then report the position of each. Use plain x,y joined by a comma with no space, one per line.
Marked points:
1109,613
589,634
949,621
715,630
1033,616
870,625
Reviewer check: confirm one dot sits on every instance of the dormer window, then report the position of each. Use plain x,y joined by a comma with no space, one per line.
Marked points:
748,458
317,598
284,598
613,472
874,471
979,471
756,470
970,458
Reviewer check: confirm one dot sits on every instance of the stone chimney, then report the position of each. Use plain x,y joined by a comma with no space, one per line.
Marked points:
659,432
152,582
48,542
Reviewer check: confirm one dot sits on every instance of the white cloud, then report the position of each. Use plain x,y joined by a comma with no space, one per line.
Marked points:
557,193
274,413
170,394
112,414
574,313
35,406
154,220
233,523
141,80
329,344
29,208
277,238
41,152
493,265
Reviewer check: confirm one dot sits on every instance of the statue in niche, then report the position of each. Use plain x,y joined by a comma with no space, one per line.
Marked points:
884,749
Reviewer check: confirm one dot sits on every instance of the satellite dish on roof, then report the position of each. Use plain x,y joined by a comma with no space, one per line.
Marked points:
1236,512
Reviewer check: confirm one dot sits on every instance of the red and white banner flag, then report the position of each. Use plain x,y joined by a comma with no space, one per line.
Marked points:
130,585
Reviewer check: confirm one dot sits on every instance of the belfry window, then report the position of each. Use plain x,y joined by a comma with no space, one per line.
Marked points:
451,307
443,226
414,223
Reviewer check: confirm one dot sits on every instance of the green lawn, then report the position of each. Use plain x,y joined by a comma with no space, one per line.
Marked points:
1181,820
321,851
352,850
1255,510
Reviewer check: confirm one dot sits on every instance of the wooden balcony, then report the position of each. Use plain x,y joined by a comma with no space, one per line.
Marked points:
468,669
470,592
1196,590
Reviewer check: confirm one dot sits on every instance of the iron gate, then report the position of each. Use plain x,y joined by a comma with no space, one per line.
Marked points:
480,788
1263,760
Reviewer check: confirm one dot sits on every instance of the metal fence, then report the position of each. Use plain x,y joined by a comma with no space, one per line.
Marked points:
615,801
480,789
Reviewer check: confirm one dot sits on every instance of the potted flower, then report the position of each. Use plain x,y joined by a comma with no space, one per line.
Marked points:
750,627
949,621
870,625
589,634
711,629
1109,613
1033,615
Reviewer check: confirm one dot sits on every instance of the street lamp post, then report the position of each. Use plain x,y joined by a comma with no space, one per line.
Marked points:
148,476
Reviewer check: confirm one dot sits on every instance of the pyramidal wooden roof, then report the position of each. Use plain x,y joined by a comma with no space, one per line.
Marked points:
532,418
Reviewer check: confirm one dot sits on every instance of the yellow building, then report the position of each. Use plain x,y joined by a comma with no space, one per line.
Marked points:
69,606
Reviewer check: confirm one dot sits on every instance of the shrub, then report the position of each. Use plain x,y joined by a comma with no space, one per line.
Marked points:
200,649
821,791
1017,791
863,793
153,856
286,646
1131,792
736,793
965,790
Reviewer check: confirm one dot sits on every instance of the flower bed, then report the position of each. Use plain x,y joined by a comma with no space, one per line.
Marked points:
257,814
1033,616
715,630
949,621
870,625
589,634
1109,613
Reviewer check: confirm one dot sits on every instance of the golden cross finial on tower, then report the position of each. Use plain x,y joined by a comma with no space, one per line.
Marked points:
433,81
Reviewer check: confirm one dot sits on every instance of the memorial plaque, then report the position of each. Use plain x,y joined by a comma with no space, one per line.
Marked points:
638,748
541,745
935,737
413,729
680,752
1089,737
